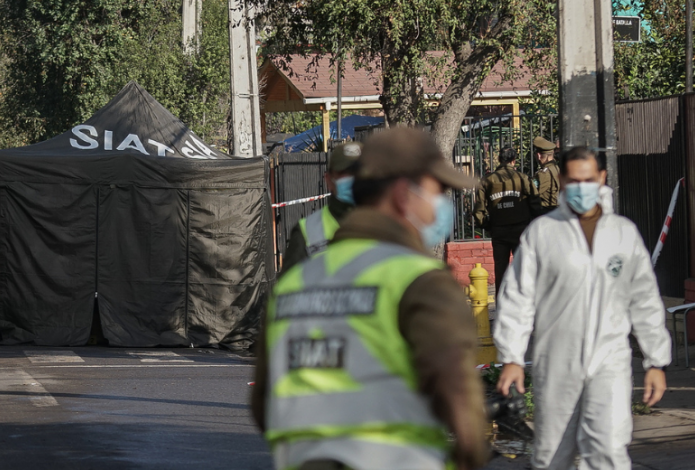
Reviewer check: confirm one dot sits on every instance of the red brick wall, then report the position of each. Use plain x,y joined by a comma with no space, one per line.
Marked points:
462,257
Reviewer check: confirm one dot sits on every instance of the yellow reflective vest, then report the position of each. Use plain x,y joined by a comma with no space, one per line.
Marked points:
342,385
318,229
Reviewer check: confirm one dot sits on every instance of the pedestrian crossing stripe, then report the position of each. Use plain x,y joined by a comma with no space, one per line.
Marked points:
41,356
158,356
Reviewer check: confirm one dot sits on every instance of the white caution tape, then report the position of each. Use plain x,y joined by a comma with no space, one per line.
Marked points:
667,223
300,201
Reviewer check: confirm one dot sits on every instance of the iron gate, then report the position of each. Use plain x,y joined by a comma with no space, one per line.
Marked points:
295,176
476,153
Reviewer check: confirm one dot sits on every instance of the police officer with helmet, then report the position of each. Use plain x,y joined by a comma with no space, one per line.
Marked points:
311,234
547,179
367,358
506,202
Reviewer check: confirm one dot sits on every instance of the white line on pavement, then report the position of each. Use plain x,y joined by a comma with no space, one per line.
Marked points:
24,385
158,356
133,366
40,356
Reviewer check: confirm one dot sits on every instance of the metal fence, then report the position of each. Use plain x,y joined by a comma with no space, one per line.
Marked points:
295,176
298,175
477,150
652,155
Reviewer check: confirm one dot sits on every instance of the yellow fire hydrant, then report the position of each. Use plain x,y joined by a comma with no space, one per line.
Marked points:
477,291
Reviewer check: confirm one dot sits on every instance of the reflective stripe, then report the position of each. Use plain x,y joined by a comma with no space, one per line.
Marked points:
359,454
388,401
316,240
364,413
366,367
314,271
384,397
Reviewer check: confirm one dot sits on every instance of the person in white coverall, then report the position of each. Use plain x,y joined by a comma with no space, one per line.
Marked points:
582,279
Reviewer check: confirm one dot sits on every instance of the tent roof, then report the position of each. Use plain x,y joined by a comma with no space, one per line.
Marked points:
132,122
133,127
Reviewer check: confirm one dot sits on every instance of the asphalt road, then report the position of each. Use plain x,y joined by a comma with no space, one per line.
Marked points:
107,408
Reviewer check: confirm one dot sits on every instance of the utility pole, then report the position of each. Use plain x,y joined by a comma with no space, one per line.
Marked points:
340,102
245,118
587,98
688,46
190,14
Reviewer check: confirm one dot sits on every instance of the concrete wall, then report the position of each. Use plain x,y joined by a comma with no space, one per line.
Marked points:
462,256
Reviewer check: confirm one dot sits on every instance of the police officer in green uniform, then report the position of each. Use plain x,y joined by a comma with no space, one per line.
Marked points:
505,204
367,356
547,179
311,234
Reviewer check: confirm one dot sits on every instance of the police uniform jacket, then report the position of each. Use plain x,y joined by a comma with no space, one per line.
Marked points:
506,198
296,246
547,180
436,321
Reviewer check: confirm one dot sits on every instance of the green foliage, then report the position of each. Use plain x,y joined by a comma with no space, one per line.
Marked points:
653,67
492,375
195,87
528,401
640,408
298,122
394,36
62,60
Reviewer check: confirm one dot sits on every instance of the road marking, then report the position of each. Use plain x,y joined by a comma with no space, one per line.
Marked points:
158,356
40,356
24,385
133,366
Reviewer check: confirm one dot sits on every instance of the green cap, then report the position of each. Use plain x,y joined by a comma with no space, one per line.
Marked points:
408,152
344,157
543,146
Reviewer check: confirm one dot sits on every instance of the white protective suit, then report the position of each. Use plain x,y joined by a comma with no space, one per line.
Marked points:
582,307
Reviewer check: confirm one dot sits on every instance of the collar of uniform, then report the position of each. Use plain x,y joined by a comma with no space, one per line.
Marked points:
505,165
547,164
366,223
339,209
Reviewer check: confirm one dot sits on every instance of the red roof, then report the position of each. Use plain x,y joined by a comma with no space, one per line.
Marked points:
312,78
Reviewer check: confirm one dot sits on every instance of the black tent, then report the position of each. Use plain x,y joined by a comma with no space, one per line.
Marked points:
132,210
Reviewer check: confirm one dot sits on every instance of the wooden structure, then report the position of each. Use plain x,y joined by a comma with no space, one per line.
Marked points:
308,84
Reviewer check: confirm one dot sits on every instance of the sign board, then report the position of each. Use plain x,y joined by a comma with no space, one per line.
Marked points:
627,28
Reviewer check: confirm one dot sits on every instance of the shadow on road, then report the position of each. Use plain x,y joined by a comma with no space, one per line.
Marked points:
122,398
109,446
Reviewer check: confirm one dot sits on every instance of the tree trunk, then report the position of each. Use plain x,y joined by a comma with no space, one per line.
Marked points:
471,62
458,97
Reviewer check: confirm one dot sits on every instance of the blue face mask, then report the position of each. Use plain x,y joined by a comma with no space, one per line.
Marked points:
440,229
582,197
343,190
